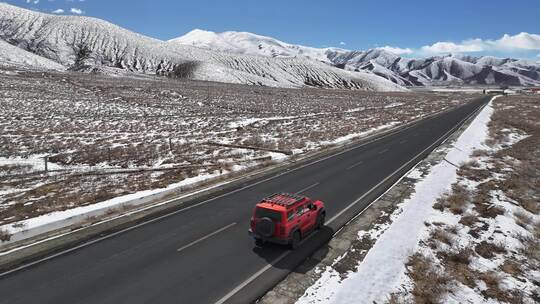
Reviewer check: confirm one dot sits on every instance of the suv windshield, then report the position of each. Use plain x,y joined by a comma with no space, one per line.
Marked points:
272,214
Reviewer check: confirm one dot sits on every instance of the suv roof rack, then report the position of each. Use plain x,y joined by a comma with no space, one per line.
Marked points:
284,199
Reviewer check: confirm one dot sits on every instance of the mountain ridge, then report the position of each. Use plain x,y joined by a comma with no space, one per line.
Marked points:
93,45
435,70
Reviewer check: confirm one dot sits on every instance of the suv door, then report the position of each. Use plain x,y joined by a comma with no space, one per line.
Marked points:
313,214
307,221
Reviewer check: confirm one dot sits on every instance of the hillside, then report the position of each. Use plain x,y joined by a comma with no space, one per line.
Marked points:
13,56
93,45
438,70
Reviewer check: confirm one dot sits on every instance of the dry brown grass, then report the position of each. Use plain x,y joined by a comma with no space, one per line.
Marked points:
531,248
489,250
468,220
522,184
494,290
456,201
442,236
4,236
523,218
518,169
471,170
482,201
430,283
511,267
397,298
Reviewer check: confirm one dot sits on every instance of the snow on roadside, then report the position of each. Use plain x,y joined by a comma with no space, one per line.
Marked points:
352,136
104,205
373,283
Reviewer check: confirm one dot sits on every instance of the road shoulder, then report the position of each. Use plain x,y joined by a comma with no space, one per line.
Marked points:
352,243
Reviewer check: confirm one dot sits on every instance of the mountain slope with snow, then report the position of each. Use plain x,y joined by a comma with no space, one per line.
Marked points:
248,43
440,70
13,56
90,44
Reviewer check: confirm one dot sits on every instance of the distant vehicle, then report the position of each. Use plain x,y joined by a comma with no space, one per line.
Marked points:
285,218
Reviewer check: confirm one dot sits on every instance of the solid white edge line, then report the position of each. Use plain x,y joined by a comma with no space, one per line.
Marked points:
258,273
205,237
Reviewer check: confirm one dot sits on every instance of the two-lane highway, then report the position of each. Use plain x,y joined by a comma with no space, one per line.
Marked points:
202,254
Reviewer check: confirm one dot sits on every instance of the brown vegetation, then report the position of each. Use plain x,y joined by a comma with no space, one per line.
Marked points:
4,236
514,171
88,122
430,283
456,200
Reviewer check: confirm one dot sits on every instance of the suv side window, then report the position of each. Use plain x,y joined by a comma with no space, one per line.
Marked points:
300,209
290,215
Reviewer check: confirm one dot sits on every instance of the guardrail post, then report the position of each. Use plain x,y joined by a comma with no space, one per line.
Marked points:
46,163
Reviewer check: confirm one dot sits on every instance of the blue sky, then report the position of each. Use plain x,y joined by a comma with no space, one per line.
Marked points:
412,28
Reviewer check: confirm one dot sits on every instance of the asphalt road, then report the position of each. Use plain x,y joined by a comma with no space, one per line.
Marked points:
202,253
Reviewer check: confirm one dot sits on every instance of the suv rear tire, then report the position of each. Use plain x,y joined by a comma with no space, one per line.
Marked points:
259,242
295,240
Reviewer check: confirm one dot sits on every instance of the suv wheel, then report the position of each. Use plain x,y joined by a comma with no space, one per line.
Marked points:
295,241
320,220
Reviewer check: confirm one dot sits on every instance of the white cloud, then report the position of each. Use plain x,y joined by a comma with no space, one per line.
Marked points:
76,11
521,41
396,50
58,11
342,43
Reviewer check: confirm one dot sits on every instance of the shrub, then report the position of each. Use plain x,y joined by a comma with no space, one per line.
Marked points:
184,70
456,201
488,250
522,218
4,236
430,283
442,236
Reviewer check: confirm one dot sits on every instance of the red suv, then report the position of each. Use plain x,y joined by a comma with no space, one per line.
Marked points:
285,218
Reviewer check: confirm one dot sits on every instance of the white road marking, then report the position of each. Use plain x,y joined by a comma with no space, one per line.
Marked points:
355,165
279,258
205,237
307,188
383,151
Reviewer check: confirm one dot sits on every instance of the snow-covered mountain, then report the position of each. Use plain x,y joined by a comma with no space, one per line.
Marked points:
90,44
13,56
440,70
248,43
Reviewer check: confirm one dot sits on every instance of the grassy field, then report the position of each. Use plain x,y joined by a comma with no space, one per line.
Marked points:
109,136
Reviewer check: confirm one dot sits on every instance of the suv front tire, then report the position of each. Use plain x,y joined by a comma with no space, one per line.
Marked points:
320,220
